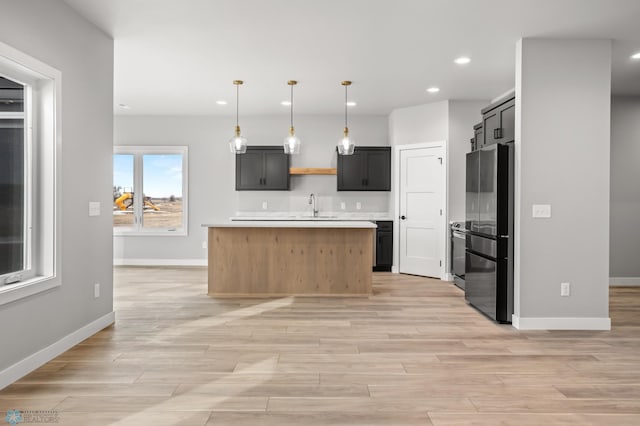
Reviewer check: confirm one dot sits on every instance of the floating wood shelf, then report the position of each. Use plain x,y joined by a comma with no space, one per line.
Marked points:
312,171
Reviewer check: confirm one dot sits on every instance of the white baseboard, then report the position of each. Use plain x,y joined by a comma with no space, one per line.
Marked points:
448,277
561,323
160,262
36,360
624,281
394,270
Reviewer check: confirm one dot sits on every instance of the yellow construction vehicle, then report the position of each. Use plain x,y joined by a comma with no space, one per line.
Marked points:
126,200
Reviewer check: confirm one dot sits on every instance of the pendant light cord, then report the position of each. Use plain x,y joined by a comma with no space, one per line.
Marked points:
237,103
345,105
292,105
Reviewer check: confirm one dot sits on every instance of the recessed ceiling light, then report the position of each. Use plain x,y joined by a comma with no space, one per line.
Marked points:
462,60
221,102
351,103
635,56
433,89
124,106
285,103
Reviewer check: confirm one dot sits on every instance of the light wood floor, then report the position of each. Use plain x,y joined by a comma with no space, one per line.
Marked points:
412,354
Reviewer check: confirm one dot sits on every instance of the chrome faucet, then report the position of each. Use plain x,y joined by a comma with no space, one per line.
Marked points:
312,201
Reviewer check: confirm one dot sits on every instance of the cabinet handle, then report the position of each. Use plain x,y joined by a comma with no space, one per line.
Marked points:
403,217
264,181
497,133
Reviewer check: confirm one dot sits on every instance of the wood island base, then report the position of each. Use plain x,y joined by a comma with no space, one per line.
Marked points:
273,261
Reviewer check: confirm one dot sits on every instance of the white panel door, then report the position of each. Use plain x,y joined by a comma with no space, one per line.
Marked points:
421,211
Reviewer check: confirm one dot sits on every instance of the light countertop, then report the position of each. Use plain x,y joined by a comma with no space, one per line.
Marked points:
292,224
324,215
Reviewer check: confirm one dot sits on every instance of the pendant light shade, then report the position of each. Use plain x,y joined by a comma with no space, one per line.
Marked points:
238,144
291,142
347,145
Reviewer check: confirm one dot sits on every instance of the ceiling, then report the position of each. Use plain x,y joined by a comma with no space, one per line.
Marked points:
178,57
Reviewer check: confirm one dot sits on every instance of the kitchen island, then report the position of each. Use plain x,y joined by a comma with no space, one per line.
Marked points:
290,257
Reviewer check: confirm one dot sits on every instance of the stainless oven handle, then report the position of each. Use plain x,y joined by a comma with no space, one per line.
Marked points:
459,234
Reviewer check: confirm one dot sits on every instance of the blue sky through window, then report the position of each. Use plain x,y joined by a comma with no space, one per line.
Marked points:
161,175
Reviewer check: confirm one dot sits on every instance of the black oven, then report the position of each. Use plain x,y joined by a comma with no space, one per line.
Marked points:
458,244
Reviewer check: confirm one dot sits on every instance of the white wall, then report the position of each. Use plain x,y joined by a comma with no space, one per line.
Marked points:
418,124
212,195
463,115
53,33
625,190
563,90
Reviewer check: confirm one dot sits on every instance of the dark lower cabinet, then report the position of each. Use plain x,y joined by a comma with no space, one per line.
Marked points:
262,168
368,169
384,246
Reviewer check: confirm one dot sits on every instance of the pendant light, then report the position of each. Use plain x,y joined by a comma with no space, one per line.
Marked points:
238,144
291,142
346,146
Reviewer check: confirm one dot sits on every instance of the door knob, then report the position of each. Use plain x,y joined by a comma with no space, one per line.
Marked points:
403,217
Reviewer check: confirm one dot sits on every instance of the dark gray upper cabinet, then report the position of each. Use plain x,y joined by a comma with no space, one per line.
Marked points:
478,137
262,168
498,121
368,169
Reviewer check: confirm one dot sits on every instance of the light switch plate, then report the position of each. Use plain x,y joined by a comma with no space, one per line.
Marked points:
358,205
94,208
343,205
542,211
265,205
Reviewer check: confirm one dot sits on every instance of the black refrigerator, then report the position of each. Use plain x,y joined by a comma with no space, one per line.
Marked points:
489,225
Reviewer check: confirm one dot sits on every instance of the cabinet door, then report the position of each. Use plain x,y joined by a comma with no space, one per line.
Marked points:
276,170
384,249
508,121
351,171
478,135
378,176
249,171
491,124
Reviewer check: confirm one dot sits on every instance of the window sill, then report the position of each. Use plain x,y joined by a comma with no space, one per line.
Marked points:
12,292
151,234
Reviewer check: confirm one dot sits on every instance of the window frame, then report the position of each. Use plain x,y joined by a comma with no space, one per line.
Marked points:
138,152
42,114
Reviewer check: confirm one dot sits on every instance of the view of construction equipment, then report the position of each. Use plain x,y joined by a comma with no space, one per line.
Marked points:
125,201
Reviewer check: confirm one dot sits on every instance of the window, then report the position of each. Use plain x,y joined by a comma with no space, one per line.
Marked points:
150,190
14,243
29,147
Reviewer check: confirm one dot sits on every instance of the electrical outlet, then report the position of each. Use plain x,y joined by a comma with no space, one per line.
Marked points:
358,205
265,205
542,211
94,208
343,205
204,244
96,290
565,289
